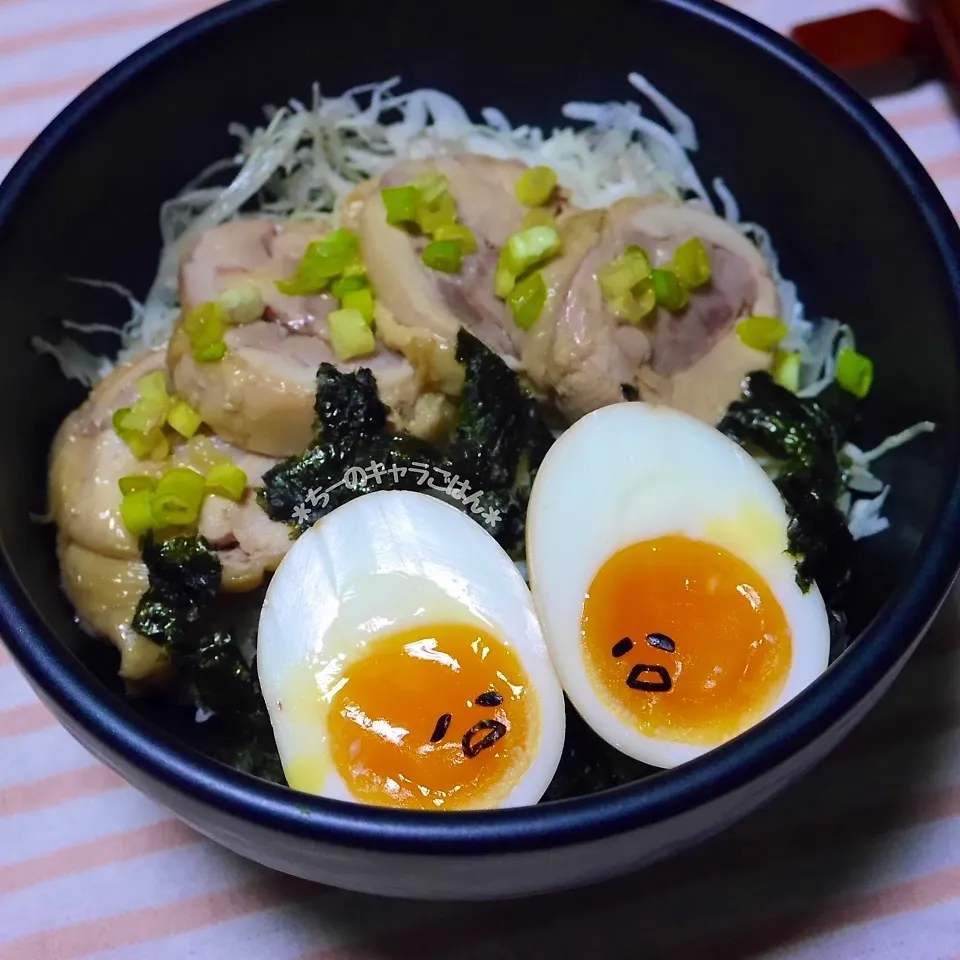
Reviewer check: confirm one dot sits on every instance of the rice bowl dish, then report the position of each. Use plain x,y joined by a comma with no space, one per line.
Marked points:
386,305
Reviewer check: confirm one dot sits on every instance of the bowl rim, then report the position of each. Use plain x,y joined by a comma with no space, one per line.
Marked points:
106,718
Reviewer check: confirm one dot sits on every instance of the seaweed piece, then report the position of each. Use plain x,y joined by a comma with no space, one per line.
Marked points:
800,433
228,685
253,752
245,743
488,468
349,413
804,437
589,764
510,503
818,536
841,407
224,681
492,423
184,577
537,437
301,490
286,485
839,632
348,407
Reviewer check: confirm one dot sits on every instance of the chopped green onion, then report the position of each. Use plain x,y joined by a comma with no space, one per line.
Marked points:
347,284
400,204
431,186
144,416
242,304
761,333
339,243
202,454
136,511
205,327
620,276
459,234
144,446
854,372
669,291
361,300
177,499
296,287
443,255
637,304
216,351
151,407
627,286
350,334
355,270
184,419
118,417
535,186
786,370
539,217
226,480
153,386
530,248
322,261
504,281
205,324
136,483
691,263
159,445
139,445
436,213
527,300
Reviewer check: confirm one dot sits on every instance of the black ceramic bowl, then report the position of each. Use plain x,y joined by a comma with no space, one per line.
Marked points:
858,224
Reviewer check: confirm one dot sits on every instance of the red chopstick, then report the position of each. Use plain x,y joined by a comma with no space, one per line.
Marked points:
880,53
944,19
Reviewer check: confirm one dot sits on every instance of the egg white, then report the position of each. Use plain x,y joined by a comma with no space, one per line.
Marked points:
379,564
634,472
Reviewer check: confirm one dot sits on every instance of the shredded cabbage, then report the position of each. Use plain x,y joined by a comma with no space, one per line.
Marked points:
307,158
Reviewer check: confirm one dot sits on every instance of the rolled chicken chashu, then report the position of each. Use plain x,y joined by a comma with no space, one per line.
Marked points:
432,303
260,396
693,360
101,569
578,353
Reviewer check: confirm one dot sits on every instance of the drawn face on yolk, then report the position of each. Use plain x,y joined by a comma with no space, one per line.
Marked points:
719,647
435,717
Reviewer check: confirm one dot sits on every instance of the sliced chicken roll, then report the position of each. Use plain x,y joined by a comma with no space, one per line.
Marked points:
105,592
101,569
431,301
691,359
260,395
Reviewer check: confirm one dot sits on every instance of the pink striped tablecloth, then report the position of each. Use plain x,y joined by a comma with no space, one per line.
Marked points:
861,860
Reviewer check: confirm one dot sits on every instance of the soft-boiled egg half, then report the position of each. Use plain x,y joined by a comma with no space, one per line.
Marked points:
403,665
657,556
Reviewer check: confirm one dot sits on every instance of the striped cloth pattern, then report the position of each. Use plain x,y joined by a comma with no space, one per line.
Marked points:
861,860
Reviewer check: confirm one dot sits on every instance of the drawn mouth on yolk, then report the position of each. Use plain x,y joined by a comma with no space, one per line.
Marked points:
657,677
716,648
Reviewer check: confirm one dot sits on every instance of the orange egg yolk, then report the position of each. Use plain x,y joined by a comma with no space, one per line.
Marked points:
684,640
436,717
